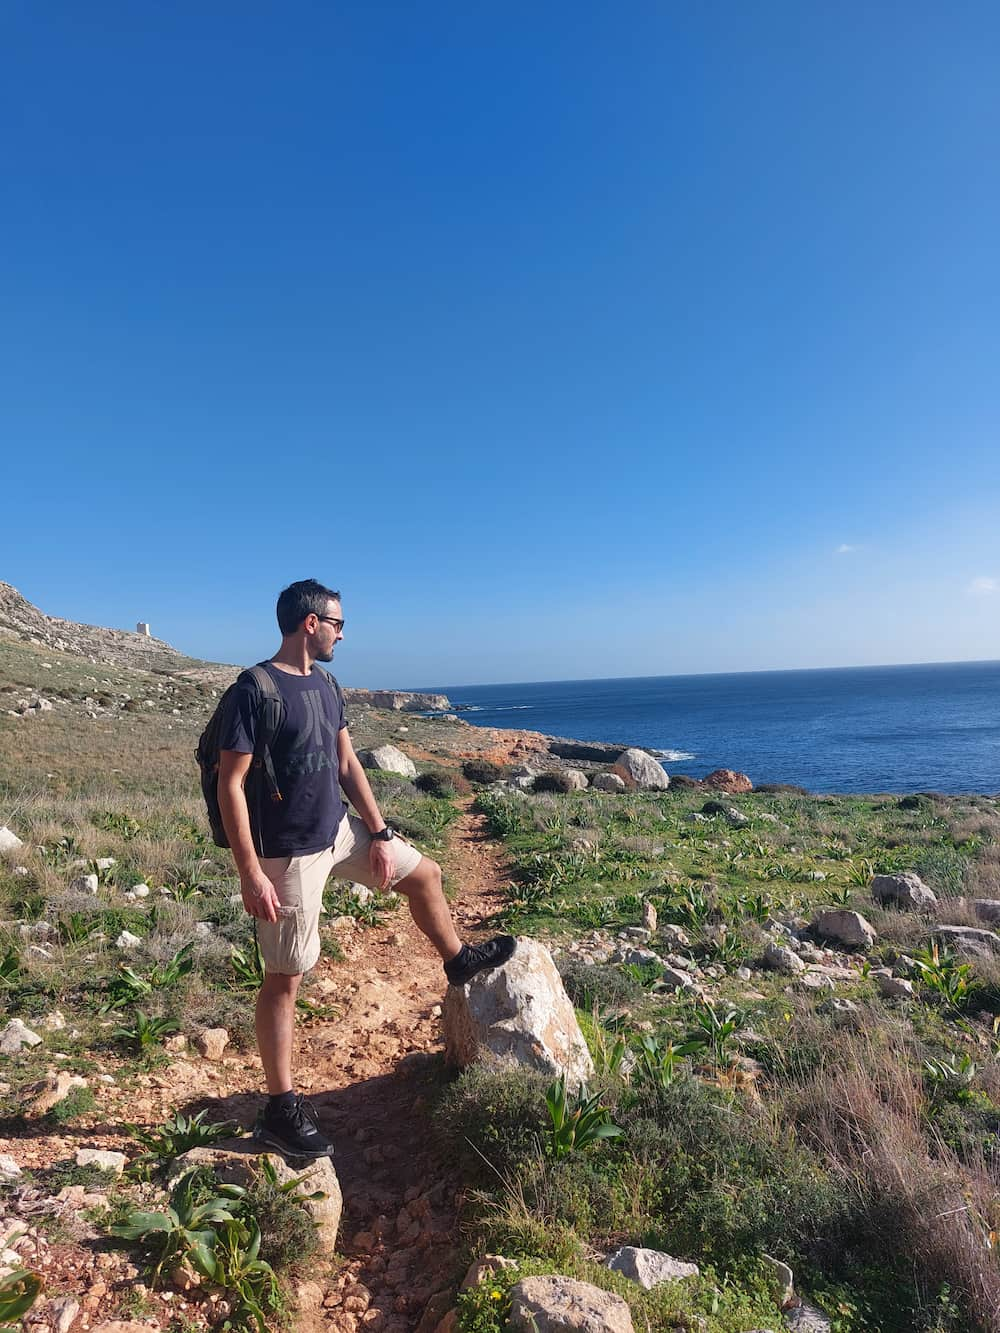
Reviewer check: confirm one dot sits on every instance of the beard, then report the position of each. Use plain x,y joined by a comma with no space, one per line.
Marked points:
325,657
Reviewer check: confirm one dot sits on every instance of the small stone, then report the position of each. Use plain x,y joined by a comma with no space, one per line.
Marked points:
54,1022
126,940
84,884
55,1088
782,959
140,890
895,988
9,1169
649,1267
211,1042
9,842
64,1310
105,1161
15,1036
489,1263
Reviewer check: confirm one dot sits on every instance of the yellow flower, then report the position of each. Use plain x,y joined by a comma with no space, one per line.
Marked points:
494,1295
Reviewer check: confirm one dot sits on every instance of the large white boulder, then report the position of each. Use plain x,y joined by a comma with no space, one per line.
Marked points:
637,769
517,1013
388,759
557,1304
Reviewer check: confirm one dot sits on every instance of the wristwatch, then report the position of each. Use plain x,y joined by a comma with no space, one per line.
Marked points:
384,834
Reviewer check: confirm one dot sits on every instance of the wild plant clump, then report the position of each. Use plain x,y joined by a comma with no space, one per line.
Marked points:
442,783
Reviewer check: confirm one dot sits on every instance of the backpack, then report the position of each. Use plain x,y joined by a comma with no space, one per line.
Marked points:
261,778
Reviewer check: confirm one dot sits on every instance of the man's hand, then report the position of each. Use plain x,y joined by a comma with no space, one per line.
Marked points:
383,864
259,897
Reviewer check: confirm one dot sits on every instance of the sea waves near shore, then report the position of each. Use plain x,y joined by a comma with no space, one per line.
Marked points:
853,729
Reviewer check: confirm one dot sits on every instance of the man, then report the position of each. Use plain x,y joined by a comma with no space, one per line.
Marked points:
308,834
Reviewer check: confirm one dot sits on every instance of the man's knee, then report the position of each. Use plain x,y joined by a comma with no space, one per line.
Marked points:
281,983
426,877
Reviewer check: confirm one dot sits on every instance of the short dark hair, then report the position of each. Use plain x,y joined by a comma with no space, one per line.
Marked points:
298,600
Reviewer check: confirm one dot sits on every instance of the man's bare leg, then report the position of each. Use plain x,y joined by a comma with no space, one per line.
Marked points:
429,907
274,1020
430,912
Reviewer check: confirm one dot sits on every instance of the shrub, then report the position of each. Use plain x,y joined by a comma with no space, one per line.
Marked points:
287,1232
558,783
445,784
494,1112
591,985
482,771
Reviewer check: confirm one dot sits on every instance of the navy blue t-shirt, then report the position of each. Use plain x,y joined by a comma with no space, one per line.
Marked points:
304,751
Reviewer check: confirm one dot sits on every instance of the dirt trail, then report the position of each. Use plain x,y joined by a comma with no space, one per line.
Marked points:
370,1072
368,1075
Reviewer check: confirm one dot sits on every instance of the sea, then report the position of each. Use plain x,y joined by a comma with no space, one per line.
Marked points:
932,727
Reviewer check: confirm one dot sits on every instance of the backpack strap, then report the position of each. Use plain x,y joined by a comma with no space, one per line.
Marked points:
272,715
338,693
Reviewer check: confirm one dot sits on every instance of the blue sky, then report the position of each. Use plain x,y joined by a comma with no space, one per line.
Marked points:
568,340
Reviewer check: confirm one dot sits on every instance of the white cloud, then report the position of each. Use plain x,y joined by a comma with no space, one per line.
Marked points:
844,549
983,586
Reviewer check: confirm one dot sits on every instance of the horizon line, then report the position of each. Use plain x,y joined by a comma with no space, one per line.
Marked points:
686,675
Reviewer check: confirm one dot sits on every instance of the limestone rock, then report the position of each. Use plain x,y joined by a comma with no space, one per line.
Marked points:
555,1304
987,909
489,1263
105,1161
906,890
55,1088
84,884
387,759
895,988
607,782
234,1165
9,841
62,1311
15,1036
781,959
675,978
649,916
649,1267
725,779
518,1012
807,1318
969,940
126,940
845,927
211,1042
576,778
784,1280
9,1169
637,769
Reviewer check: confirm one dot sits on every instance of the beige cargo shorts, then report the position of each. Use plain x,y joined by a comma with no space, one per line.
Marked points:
291,944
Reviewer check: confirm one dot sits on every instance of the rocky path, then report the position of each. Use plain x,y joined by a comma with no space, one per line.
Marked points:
369,1065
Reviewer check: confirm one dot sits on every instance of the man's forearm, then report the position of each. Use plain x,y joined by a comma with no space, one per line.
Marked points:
358,791
236,822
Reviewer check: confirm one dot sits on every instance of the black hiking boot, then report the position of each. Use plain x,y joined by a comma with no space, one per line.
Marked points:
292,1129
473,958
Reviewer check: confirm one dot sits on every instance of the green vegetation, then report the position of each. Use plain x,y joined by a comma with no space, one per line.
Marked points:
857,1143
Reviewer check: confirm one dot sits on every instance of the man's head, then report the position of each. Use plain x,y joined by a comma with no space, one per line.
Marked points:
310,609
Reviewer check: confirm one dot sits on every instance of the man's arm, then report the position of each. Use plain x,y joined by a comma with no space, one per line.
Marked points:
259,897
357,789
